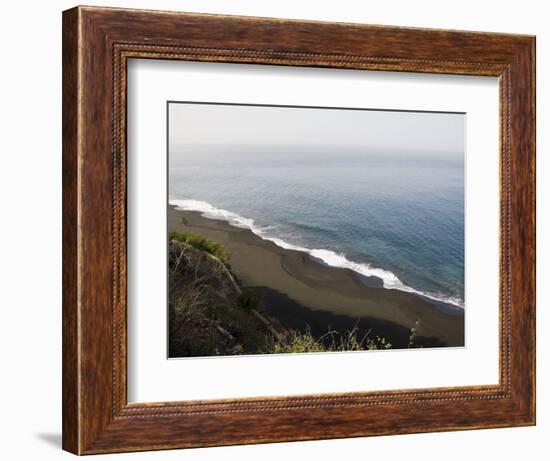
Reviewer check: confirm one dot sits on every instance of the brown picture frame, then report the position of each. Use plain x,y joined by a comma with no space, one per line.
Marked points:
97,42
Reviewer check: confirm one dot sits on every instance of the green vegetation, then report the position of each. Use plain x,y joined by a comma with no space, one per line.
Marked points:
249,300
209,314
413,333
332,341
201,243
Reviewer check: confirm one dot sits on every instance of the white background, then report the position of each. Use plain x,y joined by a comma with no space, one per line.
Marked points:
152,378
30,243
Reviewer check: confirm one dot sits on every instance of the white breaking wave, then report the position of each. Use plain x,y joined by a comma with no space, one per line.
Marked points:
329,257
210,211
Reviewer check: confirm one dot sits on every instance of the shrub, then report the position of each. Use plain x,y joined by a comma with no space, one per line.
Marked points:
413,333
249,300
297,342
332,341
201,243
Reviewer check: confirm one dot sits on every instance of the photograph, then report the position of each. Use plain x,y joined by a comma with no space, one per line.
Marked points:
296,229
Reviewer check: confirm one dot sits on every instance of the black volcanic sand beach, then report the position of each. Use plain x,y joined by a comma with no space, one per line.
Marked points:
300,291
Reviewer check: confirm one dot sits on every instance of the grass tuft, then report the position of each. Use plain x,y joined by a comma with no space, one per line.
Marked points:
332,341
201,243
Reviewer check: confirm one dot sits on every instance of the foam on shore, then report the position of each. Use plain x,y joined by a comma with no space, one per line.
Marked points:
329,257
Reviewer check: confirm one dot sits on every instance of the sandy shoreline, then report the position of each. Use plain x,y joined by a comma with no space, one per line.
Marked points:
294,282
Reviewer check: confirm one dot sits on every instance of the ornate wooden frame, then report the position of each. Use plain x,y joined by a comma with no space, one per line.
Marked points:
97,43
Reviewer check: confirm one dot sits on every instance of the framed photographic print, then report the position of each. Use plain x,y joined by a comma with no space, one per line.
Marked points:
284,230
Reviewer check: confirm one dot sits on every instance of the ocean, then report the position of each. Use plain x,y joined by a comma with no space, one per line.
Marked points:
394,214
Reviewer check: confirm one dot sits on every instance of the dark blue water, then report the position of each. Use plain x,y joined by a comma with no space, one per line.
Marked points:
395,215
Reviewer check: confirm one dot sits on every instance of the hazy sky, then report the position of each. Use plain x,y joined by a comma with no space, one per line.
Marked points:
206,124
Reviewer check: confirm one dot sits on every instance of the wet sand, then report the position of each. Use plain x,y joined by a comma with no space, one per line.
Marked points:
295,280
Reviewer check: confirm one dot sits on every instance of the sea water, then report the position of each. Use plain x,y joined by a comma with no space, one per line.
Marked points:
396,215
